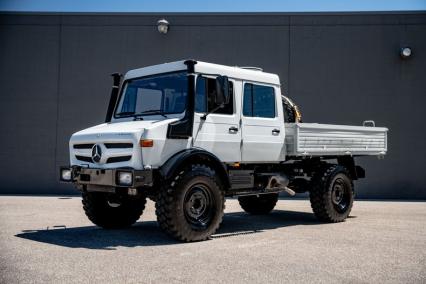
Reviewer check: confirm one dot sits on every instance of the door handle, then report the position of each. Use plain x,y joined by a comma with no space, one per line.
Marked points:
275,131
233,129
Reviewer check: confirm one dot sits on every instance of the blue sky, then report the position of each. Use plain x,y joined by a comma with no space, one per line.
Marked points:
210,6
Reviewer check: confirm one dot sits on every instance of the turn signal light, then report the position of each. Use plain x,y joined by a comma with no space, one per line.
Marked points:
146,142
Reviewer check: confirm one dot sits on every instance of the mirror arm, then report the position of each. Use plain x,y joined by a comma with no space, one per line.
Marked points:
212,111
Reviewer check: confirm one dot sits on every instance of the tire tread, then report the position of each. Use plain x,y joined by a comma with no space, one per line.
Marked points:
98,211
165,205
319,194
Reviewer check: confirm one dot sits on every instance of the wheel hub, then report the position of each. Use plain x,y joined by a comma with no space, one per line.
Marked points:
337,194
340,195
198,206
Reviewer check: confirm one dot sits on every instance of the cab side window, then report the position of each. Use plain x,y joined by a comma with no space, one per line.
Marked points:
205,93
259,101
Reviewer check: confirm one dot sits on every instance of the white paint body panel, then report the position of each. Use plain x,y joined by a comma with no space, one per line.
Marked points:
313,139
259,142
213,134
233,72
128,132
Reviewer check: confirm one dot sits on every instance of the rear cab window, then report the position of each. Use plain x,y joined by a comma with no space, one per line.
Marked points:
259,101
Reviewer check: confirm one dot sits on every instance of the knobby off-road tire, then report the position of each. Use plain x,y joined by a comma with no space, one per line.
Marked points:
258,204
332,194
190,206
112,212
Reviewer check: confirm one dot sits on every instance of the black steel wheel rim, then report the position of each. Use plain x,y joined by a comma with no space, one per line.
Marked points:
199,206
340,195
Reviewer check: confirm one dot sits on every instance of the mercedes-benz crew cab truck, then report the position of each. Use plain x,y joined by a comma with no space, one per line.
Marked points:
187,134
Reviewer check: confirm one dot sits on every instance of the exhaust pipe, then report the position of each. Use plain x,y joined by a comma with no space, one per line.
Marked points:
116,77
279,182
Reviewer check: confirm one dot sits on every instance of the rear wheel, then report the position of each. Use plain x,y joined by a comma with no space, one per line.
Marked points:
111,211
190,206
332,194
258,204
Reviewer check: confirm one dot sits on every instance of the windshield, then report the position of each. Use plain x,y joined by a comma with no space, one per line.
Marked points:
159,94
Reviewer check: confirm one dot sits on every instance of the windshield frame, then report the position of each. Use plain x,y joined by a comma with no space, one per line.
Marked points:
124,87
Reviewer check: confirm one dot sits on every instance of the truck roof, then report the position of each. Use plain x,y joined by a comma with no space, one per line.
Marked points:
207,68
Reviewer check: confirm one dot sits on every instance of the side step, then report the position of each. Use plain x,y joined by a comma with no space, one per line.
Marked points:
242,183
241,179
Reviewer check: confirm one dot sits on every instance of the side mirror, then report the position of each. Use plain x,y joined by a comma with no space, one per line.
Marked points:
222,90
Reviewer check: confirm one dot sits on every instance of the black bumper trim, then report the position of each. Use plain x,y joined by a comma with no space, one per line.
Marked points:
109,177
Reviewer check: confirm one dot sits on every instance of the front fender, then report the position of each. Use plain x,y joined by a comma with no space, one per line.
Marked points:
194,156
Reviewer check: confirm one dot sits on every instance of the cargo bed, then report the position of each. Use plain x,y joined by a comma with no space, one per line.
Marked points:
314,139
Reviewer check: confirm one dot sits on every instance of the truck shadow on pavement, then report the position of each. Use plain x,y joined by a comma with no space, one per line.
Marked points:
148,233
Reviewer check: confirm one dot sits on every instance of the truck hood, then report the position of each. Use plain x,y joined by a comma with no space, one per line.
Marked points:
118,127
122,128
118,142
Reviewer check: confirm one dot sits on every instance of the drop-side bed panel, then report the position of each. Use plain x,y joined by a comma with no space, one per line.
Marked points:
313,139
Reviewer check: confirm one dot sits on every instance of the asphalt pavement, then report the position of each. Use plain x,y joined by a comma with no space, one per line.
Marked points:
49,239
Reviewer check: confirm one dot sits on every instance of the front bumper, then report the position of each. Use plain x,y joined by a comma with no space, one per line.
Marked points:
106,177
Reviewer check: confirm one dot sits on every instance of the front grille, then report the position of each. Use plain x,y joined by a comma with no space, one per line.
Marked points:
107,145
118,145
83,151
109,161
83,146
84,159
118,159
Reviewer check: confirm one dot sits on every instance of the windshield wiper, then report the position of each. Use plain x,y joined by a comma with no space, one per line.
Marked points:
152,111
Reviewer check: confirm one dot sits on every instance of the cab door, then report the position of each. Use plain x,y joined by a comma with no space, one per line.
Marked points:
262,124
219,133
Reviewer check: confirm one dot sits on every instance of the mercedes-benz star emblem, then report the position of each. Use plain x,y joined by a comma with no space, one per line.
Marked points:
96,153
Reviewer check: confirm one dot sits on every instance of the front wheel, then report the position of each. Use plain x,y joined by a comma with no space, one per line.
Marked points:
332,194
112,211
190,206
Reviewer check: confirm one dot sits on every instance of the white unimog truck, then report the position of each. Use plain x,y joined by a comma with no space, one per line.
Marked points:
187,134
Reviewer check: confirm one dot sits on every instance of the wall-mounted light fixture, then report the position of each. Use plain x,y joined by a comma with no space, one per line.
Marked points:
163,26
405,52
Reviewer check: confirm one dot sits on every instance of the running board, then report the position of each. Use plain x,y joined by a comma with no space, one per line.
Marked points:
235,193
